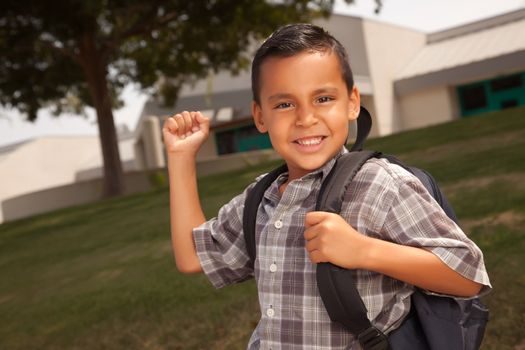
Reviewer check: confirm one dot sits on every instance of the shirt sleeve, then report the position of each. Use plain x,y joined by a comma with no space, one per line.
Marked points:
415,219
220,245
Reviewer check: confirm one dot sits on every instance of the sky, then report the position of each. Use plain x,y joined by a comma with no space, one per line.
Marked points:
423,15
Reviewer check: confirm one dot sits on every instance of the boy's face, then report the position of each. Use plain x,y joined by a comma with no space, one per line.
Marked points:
305,107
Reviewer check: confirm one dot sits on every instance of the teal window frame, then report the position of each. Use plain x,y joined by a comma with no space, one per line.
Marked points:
496,99
243,138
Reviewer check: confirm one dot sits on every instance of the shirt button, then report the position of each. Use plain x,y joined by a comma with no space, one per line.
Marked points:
270,312
278,224
273,267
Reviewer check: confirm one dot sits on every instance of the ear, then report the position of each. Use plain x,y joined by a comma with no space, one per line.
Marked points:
258,117
354,104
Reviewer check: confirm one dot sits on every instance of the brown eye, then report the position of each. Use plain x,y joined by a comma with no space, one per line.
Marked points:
324,99
283,105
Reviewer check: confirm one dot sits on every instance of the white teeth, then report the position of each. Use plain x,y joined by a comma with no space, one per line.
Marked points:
310,142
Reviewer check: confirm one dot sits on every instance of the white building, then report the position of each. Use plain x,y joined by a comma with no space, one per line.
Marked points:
51,162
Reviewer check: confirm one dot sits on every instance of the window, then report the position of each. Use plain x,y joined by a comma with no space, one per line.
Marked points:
226,142
241,139
473,97
509,104
505,83
492,94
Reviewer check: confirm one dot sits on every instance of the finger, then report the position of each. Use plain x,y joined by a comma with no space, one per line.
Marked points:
187,122
317,257
170,125
310,233
194,123
202,122
314,217
312,245
179,119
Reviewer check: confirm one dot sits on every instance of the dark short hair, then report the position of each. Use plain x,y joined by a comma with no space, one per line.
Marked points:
293,39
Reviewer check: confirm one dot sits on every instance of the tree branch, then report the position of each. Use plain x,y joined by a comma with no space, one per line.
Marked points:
61,50
143,26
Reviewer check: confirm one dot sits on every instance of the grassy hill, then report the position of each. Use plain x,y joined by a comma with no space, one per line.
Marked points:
102,276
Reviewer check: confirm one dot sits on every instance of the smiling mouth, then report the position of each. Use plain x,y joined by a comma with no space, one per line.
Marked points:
310,141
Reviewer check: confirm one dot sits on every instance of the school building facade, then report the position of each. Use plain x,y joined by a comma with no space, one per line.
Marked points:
407,79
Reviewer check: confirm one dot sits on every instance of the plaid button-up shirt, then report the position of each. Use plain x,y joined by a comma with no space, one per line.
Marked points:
383,201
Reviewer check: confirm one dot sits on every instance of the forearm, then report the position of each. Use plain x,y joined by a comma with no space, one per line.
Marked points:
418,267
185,211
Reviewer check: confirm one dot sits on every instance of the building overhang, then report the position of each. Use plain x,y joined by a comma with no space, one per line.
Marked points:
496,66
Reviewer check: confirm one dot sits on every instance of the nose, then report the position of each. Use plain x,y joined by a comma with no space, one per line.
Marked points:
306,117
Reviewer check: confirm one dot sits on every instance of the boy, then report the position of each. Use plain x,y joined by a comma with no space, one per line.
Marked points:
389,228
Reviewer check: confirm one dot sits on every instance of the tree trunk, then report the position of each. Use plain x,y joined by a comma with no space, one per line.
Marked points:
95,68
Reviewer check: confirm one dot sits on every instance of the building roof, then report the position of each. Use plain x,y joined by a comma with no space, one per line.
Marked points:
7,149
475,42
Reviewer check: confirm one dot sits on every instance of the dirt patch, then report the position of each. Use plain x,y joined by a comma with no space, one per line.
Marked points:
108,274
520,346
6,298
507,218
467,146
516,179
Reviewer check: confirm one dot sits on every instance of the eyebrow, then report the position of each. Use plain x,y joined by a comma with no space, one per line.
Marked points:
324,90
279,96
329,90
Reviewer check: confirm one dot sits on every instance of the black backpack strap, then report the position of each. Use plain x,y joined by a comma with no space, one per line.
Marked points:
364,125
337,285
334,186
251,205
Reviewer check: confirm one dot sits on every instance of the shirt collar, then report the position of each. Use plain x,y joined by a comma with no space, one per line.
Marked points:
321,173
324,170
327,167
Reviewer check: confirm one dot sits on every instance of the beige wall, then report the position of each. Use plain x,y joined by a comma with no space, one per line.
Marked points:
54,161
69,195
389,48
47,162
427,107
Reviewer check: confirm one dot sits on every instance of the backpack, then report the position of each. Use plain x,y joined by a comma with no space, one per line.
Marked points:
434,322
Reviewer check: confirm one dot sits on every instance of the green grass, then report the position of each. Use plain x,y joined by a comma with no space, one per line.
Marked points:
102,276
